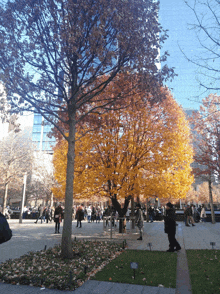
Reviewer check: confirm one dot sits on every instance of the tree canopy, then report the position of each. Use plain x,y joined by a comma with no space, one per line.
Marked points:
206,128
138,150
56,56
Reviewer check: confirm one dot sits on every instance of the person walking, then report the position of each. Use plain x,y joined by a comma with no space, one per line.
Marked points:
139,220
40,213
151,214
89,213
47,214
98,215
93,217
58,213
170,228
190,216
185,214
79,216
5,231
203,214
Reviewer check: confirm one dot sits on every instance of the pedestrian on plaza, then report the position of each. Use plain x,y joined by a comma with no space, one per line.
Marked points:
93,216
127,215
170,228
5,231
58,214
195,214
40,213
85,213
25,210
89,213
203,214
139,220
44,213
47,214
107,213
190,216
151,214
185,214
79,216
98,215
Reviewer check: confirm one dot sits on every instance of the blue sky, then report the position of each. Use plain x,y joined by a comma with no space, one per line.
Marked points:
175,16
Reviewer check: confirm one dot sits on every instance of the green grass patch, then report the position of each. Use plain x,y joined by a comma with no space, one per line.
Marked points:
154,268
204,268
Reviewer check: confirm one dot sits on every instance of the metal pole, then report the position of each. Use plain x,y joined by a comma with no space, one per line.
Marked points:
111,227
23,198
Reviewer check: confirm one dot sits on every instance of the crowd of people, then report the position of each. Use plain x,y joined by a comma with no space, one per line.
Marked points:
94,214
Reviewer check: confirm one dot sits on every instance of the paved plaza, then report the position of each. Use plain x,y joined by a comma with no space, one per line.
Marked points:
29,236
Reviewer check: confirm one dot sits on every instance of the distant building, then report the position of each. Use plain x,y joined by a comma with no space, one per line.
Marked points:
198,180
40,132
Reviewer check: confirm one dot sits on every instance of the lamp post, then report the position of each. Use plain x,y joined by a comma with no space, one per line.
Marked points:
23,198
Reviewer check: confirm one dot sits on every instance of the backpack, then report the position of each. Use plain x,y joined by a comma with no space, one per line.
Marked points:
5,231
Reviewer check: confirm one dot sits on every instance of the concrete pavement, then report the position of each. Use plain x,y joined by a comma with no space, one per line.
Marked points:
31,237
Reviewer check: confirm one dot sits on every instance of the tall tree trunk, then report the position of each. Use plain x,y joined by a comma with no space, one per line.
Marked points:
5,198
66,245
121,211
51,199
211,201
132,213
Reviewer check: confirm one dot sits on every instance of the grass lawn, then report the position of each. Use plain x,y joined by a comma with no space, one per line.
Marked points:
48,269
154,268
204,268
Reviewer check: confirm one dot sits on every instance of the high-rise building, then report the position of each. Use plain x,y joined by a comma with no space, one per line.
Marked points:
41,129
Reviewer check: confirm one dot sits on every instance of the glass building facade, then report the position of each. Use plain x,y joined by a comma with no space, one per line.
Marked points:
40,132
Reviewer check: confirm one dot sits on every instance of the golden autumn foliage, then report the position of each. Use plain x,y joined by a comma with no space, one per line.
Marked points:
138,150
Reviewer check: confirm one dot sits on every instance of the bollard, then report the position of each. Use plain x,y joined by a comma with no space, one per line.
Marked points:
213,244
111,227
70,277
149,245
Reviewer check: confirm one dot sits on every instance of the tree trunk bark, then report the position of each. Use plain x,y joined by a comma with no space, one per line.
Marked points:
211,202
122,225
121,211
5,198
66,244
51,199
132,213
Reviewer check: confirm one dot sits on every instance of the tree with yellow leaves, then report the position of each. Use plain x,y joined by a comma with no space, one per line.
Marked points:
140,149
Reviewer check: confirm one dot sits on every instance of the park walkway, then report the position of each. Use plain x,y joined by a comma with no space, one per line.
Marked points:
30,237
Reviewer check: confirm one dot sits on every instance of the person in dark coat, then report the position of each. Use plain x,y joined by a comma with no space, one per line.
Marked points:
151,214
5,231
58,213
79,216
170,228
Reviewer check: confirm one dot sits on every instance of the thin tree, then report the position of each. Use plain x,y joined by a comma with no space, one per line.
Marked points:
206,127
207,30
16,158
56,56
